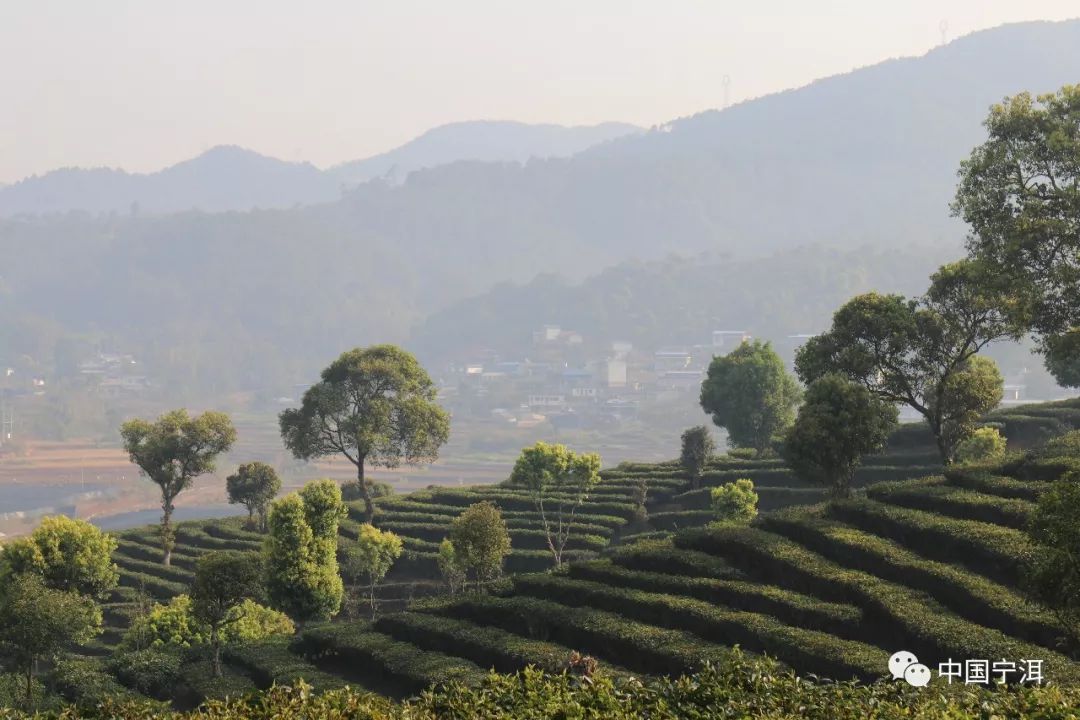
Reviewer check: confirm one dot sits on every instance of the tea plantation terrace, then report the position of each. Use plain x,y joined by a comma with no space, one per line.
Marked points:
925,561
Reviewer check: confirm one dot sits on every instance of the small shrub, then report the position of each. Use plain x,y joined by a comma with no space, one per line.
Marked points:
735,502
984,445
85,682
351,492
451,567
13,693
1067,445
153,672
169,624
174,624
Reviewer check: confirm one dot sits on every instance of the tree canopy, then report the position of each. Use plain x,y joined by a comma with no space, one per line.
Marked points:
223,580
479,542
372,405
300,552
697,447
558,480
750,394
1052,572
371,558
839,422
39,622
920,352
67,554
1019,193
174,624
254,485
174,450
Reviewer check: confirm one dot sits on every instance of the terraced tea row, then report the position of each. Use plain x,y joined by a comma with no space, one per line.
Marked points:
924,562
895,615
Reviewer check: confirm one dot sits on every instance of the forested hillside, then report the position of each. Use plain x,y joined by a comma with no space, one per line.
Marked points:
863,159
679,300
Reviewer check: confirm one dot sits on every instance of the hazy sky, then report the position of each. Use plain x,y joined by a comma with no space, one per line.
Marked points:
144,83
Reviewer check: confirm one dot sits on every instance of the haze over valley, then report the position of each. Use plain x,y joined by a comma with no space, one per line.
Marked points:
480,360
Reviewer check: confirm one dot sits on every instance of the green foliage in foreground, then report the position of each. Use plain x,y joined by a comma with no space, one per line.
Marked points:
1053,575
743,687
175,624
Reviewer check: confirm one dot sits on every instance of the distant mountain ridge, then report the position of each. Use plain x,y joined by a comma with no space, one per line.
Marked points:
223,178
865,159
228,177
481,141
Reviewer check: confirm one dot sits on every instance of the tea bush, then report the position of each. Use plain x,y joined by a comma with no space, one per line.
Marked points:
740,687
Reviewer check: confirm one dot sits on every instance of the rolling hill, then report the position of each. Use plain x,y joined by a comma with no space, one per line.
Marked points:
919,560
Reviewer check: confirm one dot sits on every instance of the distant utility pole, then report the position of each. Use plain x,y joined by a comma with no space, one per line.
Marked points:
726,82
943,26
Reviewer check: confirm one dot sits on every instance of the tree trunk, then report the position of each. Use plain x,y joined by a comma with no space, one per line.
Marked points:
939,439
369,507
372,599
942,450
552,546
167,540
215,641
30,685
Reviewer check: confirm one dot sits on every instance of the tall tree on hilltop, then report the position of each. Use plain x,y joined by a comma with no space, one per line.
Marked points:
372,405
750,394
921,353
174,450
1020,194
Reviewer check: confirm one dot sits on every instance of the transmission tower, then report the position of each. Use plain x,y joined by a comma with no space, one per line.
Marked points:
943,26
726,82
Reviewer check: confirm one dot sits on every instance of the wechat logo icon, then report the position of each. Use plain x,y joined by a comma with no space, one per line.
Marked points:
905,665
